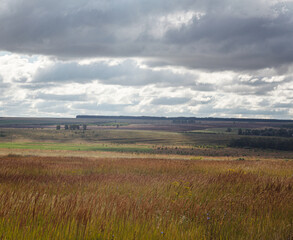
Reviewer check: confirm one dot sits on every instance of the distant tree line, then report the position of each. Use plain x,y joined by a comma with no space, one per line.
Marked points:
186,118
282,132
264,143
72,127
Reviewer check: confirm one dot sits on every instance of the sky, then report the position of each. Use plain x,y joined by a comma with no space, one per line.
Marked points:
201,58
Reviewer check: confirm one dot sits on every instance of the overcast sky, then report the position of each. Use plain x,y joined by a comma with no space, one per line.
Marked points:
204,58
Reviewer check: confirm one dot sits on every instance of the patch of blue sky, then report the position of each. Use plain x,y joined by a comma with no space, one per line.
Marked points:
4,53
31,59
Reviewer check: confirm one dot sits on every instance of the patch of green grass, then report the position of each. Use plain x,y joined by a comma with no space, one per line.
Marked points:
216,131
76,147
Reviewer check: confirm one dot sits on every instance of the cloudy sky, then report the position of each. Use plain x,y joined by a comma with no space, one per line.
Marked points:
204,58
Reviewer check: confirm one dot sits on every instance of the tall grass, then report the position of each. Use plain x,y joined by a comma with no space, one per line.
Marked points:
84,198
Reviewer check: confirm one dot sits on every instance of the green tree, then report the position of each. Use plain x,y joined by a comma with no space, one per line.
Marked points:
240,132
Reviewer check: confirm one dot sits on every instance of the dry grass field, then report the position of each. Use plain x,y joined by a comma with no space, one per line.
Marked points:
144,198
140,184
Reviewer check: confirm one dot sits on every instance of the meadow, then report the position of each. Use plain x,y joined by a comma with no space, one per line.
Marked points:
107,183
144,198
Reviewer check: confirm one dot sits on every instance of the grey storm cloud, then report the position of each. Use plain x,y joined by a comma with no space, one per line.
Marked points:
36,86
254,85
164,57
257,85
233,35
127,73
204,87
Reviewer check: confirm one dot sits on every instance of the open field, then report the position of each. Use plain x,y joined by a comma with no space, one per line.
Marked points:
84,149
202,143
133,183
94,135
144,198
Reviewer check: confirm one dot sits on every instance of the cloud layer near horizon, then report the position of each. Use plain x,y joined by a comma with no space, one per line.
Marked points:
202,58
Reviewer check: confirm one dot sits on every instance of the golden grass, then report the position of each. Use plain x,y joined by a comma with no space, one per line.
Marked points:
144,198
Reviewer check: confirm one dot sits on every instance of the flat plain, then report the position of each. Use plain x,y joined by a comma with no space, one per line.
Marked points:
132,183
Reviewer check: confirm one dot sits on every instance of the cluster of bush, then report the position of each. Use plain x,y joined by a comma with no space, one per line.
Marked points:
281,132
264,143
183,121
72,127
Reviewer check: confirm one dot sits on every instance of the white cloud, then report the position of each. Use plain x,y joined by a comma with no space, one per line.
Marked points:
39,86
202,58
